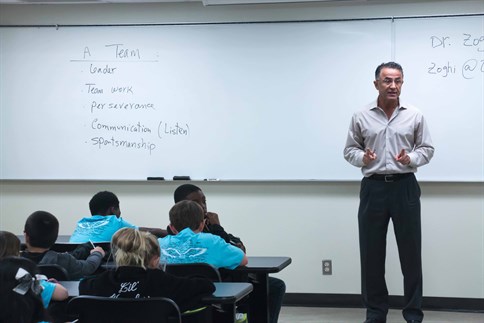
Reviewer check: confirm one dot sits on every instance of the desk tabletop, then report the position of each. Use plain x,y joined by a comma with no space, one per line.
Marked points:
228,293
265,264
224,292
256,264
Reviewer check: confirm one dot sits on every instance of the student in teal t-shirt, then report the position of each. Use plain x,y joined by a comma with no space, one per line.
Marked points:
105,221
191,245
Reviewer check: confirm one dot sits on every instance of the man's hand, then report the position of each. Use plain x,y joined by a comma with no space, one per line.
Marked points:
369,156
212,218
403,158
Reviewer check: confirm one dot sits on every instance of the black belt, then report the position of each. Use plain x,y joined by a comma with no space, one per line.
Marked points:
389,177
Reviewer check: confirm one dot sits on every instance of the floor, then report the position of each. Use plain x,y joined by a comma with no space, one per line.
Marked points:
291,314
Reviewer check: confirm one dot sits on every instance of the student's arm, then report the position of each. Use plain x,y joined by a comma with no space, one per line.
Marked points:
244,261
213,226
60,293
225,255
218,230
160,233
78,269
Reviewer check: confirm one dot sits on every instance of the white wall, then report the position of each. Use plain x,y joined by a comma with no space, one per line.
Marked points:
308,221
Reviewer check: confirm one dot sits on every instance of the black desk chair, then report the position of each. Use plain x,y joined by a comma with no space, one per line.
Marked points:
194,270
53,271
94,309
220,313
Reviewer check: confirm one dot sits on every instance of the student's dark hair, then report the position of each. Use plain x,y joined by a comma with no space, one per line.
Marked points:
387,65
15,307
101,202
184,190
186,214
42,229
9,244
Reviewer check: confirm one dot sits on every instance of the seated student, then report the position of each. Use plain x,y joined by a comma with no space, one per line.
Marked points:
20,299
277,287
212,222
41,230
137,256
191,245
10,246
104,221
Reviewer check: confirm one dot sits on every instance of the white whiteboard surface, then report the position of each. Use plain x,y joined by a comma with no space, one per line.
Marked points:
443,60
229,101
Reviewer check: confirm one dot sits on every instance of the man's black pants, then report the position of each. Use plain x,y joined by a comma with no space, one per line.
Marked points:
399,201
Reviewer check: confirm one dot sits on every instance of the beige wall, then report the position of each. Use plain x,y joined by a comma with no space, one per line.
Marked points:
308,221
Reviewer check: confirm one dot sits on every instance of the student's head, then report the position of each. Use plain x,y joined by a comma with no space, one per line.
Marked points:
192,193
41,229
9,244
20,291
132,247
186,214
104,203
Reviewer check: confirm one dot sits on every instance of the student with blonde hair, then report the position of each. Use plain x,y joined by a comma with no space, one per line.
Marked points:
136,248
137,274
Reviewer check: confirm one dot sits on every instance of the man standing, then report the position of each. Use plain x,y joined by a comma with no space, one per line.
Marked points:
389,139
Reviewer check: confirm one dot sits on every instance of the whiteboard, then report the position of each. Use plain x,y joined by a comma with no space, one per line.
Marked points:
258,101
443,61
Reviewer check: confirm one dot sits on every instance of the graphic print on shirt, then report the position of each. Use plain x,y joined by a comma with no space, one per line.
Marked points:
128,288
184,253
91,228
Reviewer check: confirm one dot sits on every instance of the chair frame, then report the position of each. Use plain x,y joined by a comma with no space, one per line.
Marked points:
53,271
193,270
94,309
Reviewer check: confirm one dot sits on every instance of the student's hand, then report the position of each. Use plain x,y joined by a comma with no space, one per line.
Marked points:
53,280
98,249
212,218
369,156
403,158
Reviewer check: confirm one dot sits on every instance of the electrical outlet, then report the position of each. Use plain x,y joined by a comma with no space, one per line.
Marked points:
327,267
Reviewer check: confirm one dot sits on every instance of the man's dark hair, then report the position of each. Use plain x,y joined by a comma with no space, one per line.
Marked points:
184,190
186,214
102,201
42,229
387,65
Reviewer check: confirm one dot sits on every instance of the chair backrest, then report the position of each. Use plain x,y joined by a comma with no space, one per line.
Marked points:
53,271
93,309
194,270
64,246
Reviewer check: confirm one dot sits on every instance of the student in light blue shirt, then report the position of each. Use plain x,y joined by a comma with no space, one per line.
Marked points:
191,245
105,221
